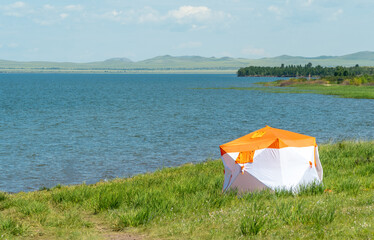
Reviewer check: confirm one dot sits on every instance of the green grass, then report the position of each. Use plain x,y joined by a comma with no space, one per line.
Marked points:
319,86
343,91
186,203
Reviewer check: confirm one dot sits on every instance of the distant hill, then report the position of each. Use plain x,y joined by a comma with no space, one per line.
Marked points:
359,56
193,62
169,63
118,60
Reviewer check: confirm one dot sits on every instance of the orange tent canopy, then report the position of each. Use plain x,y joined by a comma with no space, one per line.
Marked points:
267,137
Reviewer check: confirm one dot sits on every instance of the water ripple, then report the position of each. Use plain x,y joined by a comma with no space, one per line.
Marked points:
67,128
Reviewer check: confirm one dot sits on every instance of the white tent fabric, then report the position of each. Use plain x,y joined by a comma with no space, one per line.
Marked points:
285,168
271,158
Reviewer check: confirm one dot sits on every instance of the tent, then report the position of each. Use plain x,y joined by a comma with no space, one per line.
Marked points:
270,158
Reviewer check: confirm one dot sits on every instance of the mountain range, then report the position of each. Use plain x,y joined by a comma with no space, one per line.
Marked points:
169,63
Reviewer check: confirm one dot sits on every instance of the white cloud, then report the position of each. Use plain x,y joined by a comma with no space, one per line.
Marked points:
48,7
44,22
17,9
17,5
198,27
64,15
48,14
183,17
74,7
335,15
275,9
199,13
250,51
13,14
116,15
13,45
33,50
9,45
188,14
308,3
149,15
141,16
194,17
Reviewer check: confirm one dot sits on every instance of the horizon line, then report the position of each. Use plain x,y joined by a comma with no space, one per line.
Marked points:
168,55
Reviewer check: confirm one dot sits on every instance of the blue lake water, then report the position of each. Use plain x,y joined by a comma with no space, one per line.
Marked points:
71,128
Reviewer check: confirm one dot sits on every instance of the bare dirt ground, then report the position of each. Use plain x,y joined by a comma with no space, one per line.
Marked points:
122,236
107,233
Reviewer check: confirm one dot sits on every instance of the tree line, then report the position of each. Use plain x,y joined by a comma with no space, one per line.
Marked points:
304,71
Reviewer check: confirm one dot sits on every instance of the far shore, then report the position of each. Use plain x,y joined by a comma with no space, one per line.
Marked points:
100,71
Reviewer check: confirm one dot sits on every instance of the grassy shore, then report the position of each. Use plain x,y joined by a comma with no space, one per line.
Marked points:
186,203
351,88
343,91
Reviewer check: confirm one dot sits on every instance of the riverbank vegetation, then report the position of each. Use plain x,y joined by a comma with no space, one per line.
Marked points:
186,202
353,82
342,86
339,90
307,71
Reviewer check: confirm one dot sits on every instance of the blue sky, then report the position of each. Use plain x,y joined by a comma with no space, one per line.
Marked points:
92,30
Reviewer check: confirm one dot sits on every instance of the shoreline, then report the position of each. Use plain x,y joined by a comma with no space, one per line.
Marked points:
191,71
175,202
341,91
43,188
